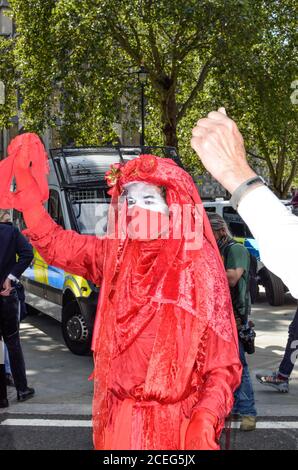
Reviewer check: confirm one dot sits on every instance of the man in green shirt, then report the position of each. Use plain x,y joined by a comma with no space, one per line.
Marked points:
236,259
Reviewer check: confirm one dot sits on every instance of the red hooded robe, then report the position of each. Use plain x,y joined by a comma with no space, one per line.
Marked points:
165,342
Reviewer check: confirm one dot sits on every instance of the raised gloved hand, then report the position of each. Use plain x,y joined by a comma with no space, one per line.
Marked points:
200,433
30,169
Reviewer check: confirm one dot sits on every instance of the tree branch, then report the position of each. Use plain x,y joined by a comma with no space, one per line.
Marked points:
255,155
281,159
198,86
191,43
135,53
136,37
123,41
266,153
291,177
155,52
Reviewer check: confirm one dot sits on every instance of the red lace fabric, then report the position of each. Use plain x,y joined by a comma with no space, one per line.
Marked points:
165,361
165,342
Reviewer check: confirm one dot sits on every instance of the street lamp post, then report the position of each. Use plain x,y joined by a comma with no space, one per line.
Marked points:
142,76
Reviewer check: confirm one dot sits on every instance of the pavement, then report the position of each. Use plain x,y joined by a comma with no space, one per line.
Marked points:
59,415
271,325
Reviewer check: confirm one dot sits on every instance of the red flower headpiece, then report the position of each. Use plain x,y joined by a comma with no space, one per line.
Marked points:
112,176
139,168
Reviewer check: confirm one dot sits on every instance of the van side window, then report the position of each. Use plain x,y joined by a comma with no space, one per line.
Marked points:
55,209
235,223
210,209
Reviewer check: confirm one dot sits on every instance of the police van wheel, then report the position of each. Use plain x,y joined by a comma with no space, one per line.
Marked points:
274,288
75,329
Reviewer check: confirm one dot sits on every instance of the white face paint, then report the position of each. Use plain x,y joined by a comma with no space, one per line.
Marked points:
147,196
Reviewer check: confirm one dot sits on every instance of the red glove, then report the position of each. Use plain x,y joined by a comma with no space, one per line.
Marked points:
30,169
28,198
200,433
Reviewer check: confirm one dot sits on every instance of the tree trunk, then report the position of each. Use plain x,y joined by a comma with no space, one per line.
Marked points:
168,107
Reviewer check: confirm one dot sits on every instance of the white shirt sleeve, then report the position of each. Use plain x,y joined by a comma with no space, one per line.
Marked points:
276,231
12,278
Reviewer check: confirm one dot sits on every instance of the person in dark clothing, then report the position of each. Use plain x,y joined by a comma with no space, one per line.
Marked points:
3,391
279,380
237,264
13,244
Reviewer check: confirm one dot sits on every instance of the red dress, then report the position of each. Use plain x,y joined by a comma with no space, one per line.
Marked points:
165,362
165,342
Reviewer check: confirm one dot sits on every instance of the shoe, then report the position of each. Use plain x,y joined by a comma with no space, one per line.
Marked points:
4,403
9,380
281,384
248,423
235,417
26,394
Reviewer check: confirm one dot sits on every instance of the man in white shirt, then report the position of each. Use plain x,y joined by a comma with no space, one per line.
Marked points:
219,144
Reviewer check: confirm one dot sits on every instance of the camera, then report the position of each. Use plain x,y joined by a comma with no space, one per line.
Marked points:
247,337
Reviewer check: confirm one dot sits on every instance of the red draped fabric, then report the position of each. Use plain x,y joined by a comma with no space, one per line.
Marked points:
184,295
165,343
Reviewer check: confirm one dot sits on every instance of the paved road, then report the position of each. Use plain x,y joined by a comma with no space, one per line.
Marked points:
58,417
64,432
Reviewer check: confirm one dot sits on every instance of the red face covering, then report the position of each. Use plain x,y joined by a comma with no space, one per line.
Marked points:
144,224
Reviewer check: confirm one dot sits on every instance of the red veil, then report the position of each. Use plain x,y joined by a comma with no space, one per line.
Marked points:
186,291
173,298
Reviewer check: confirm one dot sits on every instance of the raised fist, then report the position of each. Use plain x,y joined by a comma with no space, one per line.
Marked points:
219,144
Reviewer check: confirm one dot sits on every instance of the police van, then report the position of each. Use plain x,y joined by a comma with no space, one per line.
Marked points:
274,287
79,201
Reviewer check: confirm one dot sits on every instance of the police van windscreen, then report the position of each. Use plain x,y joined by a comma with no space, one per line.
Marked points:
90,209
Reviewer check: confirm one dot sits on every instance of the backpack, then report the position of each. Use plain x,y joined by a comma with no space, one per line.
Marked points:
252,284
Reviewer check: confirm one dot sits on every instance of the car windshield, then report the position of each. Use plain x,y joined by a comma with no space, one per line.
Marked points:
236,224
90,209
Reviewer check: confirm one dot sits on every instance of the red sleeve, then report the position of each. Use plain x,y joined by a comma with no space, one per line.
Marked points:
222,374
66,249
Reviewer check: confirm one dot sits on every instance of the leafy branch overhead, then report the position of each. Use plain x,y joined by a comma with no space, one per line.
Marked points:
75,63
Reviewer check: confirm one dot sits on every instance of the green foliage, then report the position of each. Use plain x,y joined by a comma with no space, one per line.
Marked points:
8,77
33,57
75,64
257,93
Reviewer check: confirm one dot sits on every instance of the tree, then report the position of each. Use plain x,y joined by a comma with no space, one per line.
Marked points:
80,47
76,64
259,95
8,77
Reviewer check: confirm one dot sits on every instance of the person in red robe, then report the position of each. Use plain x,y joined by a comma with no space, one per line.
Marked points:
166,360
